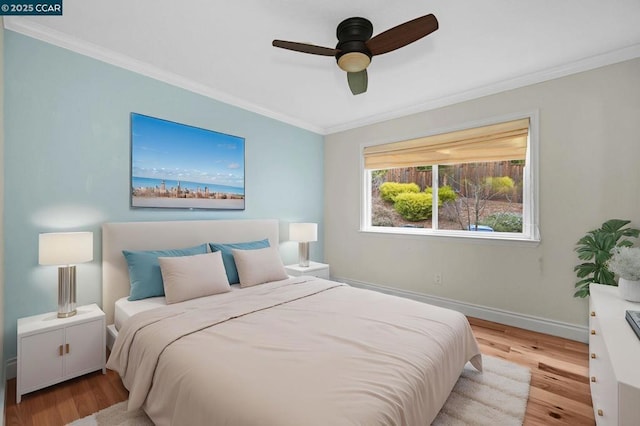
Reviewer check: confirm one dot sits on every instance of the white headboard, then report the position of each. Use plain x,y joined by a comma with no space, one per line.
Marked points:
165,235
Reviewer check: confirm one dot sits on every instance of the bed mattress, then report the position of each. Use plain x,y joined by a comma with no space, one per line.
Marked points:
126,308
302,351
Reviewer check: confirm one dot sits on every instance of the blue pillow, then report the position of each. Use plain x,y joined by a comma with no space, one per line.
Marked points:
145,276
227,255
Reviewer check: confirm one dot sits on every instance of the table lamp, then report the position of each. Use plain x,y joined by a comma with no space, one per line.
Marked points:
65,249
303,233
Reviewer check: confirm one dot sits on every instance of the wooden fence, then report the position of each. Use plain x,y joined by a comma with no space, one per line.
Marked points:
456,175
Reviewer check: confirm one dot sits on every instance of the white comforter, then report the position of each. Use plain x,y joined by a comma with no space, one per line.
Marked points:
302,351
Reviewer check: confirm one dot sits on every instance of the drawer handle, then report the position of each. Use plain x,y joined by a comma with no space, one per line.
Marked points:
600,413
60,350
593,313
593,356
67,347
593,379
593,332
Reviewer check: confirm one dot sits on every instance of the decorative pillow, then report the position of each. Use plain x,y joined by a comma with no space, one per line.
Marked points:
227,256
259,266
144,269
188,277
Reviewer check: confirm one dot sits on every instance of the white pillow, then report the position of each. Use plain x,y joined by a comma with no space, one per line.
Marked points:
259,266
188,277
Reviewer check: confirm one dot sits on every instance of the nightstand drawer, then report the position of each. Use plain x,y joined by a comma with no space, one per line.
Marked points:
604,388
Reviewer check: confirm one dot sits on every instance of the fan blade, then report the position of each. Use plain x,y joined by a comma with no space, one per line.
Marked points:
403,34
357,81
305,48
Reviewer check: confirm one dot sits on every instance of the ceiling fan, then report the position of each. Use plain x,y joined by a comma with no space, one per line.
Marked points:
355,46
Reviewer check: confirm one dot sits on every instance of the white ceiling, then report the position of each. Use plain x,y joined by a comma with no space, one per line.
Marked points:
222,49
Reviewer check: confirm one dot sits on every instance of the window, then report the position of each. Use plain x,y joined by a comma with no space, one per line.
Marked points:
476,182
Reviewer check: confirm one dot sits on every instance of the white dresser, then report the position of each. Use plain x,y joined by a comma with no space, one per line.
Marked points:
614,358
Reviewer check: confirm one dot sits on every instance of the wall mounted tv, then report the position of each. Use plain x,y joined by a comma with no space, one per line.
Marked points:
178,166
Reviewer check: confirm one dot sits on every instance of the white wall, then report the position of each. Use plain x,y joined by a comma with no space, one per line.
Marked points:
589,172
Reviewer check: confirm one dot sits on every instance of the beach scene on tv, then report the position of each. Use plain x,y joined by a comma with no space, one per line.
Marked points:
178,166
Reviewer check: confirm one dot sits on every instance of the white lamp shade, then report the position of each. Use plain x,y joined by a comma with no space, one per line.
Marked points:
65,248
303,232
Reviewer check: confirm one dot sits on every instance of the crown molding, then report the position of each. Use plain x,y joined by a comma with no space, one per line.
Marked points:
94,51
609,58
31,29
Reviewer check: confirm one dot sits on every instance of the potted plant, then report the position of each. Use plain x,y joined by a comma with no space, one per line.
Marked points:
595,248
625,261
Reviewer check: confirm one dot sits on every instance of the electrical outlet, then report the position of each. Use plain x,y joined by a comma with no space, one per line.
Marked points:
437,279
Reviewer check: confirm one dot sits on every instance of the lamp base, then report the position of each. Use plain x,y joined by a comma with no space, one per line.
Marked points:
67,314
303,254
66,291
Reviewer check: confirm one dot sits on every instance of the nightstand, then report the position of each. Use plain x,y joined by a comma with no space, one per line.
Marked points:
315,269
52,350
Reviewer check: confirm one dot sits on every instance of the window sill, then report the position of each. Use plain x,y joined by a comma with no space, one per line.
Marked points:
476,237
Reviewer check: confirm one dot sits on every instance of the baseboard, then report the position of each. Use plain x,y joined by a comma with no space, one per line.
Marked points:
528,322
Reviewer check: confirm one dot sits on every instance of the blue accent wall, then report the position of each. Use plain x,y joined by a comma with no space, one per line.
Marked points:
67,154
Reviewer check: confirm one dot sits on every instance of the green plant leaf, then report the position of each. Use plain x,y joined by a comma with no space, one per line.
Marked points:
607,277
585,269
606,241
614,225
582,283
577,267
586,253
602,256
625,243
582,288
596,277
587,240
581,293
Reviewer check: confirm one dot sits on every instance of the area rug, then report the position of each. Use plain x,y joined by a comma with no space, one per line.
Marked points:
497,396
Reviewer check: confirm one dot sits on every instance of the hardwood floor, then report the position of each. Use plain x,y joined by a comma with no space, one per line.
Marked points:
559,393
63,403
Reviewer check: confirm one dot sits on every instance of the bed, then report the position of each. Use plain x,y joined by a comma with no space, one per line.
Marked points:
290,351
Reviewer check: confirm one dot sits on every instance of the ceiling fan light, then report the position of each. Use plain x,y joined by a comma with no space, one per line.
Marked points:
354,61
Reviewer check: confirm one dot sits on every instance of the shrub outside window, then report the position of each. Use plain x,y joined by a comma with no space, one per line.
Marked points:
477,182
